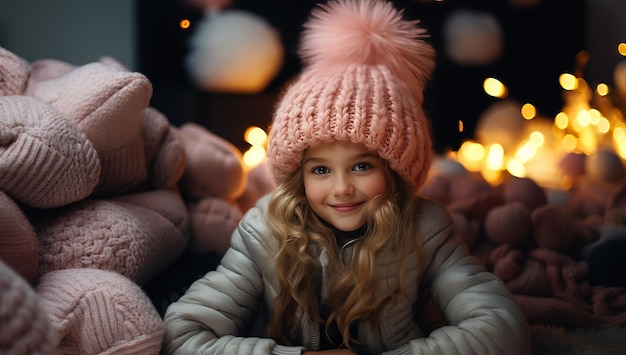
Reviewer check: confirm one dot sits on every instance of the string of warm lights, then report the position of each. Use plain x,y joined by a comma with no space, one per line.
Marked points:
578,128
588,122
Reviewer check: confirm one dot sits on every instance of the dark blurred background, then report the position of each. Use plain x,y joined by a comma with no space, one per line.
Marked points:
540,41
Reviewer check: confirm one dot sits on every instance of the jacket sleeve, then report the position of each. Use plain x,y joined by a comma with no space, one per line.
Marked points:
482,315
213,315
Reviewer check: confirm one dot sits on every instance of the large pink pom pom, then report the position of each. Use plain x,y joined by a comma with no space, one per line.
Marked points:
371,32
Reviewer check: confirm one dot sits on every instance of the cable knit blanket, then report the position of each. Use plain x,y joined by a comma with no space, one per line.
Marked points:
562,255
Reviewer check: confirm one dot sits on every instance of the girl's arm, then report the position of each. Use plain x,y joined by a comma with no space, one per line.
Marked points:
216,311
482,315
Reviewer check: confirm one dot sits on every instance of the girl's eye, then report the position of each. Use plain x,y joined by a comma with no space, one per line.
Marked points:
362,166
319,170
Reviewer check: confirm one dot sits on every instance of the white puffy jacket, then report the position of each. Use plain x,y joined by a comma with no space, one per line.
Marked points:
216,313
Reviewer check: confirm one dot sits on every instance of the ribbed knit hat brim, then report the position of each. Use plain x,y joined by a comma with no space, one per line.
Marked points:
25,328
45,161
364,104
100,312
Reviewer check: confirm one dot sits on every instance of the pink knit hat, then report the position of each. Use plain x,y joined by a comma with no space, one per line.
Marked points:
364,76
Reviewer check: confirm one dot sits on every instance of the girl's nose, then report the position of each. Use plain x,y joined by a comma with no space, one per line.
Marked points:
343,186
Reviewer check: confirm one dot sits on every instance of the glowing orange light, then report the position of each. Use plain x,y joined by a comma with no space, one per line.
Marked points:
254,156
568,81
257,138
528,111
471,155
495,88
495,158
561,120
602,89
621,48
184,24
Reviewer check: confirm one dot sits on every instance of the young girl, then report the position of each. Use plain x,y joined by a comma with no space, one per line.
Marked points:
341,257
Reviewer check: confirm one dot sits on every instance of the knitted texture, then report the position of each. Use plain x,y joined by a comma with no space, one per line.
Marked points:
106,103
45,161
100,312
19,247
24,325
13,73
47,69
164,150
133,235
231,179
363,82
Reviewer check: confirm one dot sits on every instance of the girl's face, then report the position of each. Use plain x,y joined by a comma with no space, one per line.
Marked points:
340,178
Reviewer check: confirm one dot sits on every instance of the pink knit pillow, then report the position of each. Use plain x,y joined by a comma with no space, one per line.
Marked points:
100,312
45,161
13,73
106,103
164,149
19,247
136,236
218,174
24,325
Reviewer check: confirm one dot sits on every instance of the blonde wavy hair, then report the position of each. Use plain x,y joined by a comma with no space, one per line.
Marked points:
391,229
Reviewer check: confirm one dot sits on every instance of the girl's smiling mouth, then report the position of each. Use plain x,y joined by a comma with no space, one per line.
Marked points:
346,207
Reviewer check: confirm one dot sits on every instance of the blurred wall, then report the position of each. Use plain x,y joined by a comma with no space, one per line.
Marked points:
144,35
81,31
75,31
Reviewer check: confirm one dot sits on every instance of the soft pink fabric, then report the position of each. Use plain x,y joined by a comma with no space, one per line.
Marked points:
214,165
47,69
14,73
164,150
525,191
468,186
477,206
555,311
45,160
544,260
19,246
369,91
260,182
106,103
509,224
24,325
134,235
213,220
90,209
552,227
100,312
